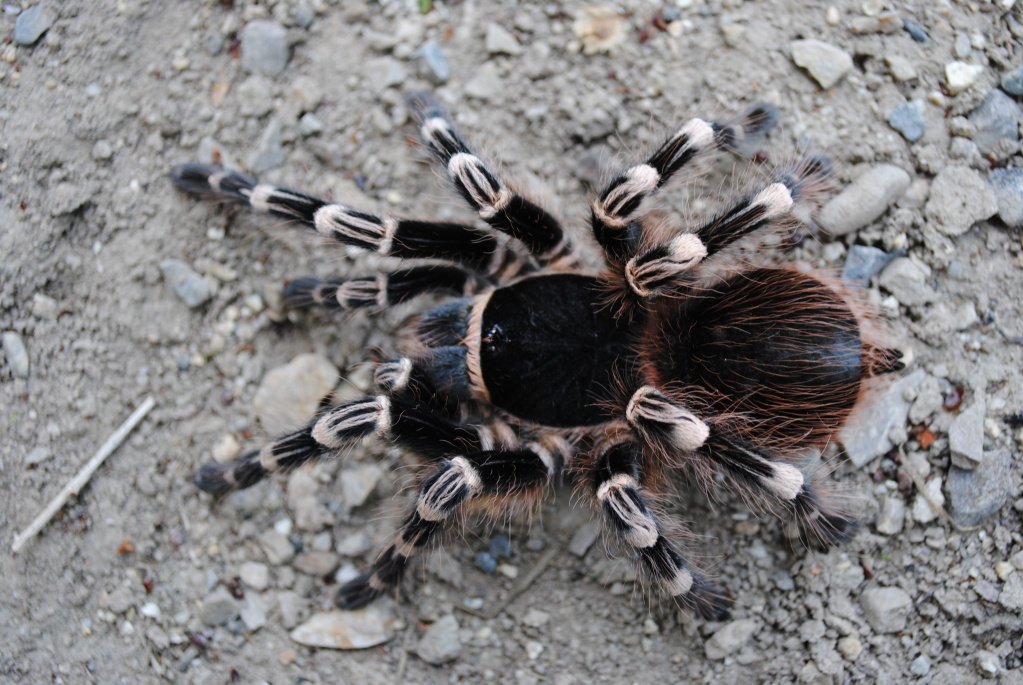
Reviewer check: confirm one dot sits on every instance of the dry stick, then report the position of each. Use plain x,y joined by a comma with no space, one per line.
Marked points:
81,478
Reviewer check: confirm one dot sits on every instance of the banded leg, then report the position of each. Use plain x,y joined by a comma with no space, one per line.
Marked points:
386,235
665,270
615,210
380,291
447,491
627,514
400,420
495,203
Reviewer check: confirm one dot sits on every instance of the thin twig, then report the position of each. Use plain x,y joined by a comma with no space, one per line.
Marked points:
81,478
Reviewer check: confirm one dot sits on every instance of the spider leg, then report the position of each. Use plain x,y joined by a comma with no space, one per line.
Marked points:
614,217
627,513
450,487
385,235
666,269
380,291
498,205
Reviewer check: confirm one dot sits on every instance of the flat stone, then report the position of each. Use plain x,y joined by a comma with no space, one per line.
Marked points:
1007,185
906,279
218,608
16,354
269,153
255,575
354,544
892,515
445,567
908,119
864,200
826,63
438,69
730,638
289,396
977,495
291,606
32,24
264,47
959,76
997,121
384,72
886,608
966,436
499,42
584,538
318,564
1012,81
194,290
869,436
959,198
66,198
36,456
486,84
304,503
440,643
923,512
359,629
900,68
254,611
358,483
1011,596
277,547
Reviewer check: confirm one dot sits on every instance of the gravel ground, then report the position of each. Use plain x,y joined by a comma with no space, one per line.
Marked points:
113,287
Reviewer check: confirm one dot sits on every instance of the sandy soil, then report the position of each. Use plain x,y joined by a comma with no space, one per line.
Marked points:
124,586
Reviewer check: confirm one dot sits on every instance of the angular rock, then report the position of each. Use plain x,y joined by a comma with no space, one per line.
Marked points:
268,153
384,72
923,512
289,395
1012,81
32,24
264,46
900,68
1008,188
959,76
219,608
277,547
959,198
354,545
864,200
440,643
908,119
886,608
826,63
730,638
318,564
486,84
1011,596
906,279
309,513
254,611
499,42
997,120
869,435
16,354
255,575
291,605
584,537
193,289
438,68
892,516
966,436
977,495
358,483
359,629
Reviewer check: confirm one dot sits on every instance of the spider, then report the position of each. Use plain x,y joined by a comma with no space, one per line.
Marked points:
674,359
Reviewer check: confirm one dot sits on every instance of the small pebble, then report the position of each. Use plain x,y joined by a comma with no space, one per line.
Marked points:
289,395
1007,185
255,575
959,76
500,546
850,647
923,512
886,608
1012,81
977,495
37,456
359,629
997,122
499,42
900,68
253,612
486,562
309,124
959,198
194,290
32,24
892,516
486,84
988,663
357,483
101,150
264,47
966,436
729,638
915,31
583,538
863,263
438,69
219,608
441,642
920,666
226,449
826,63
16,354
864,200
908,119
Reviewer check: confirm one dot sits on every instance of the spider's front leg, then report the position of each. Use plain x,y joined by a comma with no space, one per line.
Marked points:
450,488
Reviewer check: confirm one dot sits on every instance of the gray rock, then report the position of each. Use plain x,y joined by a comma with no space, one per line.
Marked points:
864,200
988,663
729,638
445,567
584,538
255,575
900,68
304,13
265,47
863,263
278,548
908,119
892,516
872,433
67,198
384,72
309,124
32,24
921,666
37,456
906,279
218,608
194,290
959,198
255,98
499,42
959,76
979,494
1012,81
486,84
438,69
886,608
289,395
997,120
440,643
309,513
928,400
16,354
359,629
826,63
318,564
291,606
1011,596
254,612
966,436
1008,188
268,153
354,544
923,510
357,483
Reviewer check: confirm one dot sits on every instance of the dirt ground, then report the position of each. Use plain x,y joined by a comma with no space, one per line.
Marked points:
143,579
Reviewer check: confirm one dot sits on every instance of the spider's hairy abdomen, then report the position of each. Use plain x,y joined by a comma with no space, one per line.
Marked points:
776,349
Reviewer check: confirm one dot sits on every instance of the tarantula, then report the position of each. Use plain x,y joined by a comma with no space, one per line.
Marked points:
663,363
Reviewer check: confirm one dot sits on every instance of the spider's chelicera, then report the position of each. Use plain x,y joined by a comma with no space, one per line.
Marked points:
666,362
